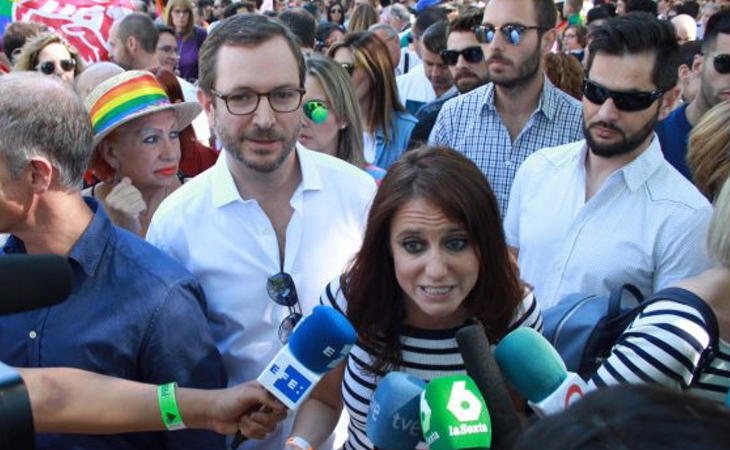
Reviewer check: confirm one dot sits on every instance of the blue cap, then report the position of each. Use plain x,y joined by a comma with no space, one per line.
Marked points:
423,4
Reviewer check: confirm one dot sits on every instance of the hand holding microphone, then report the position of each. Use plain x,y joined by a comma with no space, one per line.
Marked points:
317,345
454,415
393,421
534,368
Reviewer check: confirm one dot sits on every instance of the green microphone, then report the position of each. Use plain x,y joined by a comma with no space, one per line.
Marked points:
454,415
316,111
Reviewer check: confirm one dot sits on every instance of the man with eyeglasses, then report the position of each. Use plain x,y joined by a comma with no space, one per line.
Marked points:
499,125
607,210
712,67
269,225
465,58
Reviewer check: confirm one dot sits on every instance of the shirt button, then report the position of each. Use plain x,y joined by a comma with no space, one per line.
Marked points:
508,163
33,334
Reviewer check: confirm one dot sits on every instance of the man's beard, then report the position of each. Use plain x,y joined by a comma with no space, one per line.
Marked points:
473,81
233,145
526,71
627,144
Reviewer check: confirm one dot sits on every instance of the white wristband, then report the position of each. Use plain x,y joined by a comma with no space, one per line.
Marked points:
299,443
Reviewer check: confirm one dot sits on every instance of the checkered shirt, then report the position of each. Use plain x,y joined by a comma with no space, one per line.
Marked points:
471,124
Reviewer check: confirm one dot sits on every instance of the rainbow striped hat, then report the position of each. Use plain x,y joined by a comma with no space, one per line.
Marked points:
129,95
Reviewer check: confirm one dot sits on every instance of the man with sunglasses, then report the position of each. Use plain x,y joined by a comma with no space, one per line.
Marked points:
465,58
269,225
520,111
712,67
607,210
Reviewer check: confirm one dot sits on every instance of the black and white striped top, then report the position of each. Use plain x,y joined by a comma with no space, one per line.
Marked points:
663,345
427,354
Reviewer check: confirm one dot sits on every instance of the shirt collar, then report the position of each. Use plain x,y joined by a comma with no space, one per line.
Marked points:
547,103
643,166
636,172
89,248
224,190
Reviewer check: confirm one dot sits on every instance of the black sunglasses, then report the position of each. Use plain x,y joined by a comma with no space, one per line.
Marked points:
512,32
49,67
722,63
282,291
473,54
349,67
625,101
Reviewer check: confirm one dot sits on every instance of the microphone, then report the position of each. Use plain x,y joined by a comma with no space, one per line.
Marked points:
454,415
33,281
483,369
537,371
318,343
393,421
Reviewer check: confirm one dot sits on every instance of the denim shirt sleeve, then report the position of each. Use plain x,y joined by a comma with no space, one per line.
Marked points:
185,354
388,152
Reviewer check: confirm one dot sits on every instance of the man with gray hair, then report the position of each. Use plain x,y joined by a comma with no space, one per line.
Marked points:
133,42
133,312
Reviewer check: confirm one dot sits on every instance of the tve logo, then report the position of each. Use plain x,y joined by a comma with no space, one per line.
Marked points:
292,383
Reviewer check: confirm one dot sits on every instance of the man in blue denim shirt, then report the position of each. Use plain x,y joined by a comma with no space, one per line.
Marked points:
134,312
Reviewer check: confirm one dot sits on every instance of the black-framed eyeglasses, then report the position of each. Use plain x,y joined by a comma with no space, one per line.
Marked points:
722,63
625,101
282,291
473,54
49,67
349,67
512,32
246,102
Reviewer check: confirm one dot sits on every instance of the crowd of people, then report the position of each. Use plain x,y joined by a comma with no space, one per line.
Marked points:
416,166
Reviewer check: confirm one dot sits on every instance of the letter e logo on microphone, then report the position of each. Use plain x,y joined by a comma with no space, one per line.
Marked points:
463,404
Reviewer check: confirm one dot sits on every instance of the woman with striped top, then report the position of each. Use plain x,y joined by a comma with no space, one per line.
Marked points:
432,258
665,343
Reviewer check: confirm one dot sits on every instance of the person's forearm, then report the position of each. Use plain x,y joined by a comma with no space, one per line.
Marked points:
65,400
315,421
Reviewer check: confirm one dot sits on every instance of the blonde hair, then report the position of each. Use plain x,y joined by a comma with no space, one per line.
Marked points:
188,6
343,103
718,237
28,56
362,18
371,54
709,144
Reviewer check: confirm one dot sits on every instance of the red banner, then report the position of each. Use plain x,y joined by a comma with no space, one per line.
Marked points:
85,24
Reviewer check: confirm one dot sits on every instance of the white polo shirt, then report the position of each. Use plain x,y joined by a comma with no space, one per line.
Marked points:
646,225
230,245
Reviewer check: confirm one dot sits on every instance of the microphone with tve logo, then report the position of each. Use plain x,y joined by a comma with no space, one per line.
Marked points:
536,370
317,344
393,421
454,415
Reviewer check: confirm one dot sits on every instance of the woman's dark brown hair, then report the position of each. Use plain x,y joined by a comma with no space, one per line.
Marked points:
453,183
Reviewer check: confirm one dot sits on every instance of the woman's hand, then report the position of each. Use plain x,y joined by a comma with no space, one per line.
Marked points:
124,204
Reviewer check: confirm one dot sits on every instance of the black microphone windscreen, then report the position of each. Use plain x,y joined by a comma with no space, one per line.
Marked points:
33,281
482,367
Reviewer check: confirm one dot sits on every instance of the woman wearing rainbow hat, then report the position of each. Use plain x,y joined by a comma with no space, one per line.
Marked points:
137,153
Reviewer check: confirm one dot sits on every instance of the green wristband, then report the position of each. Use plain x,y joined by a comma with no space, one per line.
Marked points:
168,407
